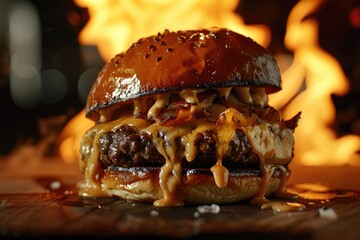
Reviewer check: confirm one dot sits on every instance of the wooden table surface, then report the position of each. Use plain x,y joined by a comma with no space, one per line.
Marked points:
38,206
45,207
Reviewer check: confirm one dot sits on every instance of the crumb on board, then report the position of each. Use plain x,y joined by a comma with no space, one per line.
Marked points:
213,208
327,213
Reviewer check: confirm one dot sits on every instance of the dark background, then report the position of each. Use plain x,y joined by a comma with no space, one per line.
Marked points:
61,22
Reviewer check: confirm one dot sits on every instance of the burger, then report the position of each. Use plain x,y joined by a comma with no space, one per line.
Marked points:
183,117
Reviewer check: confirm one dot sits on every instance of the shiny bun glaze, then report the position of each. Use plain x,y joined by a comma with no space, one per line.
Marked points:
172,61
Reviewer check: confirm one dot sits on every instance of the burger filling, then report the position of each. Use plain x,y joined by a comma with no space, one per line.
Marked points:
223,129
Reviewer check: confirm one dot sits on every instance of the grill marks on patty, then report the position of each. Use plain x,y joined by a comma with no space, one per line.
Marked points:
127,147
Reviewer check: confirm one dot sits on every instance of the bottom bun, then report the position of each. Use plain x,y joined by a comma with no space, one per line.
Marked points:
197,186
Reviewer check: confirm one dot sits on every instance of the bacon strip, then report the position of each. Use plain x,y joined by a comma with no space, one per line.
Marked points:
293,122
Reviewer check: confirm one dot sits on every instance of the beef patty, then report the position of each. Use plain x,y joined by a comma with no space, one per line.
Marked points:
127,147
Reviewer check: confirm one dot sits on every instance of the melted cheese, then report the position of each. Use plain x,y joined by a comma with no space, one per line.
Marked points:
243,93
90,151
138,106
221,174
259,96
161,102
224,92
269,142
189,95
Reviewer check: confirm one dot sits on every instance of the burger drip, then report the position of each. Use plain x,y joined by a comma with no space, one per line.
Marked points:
190,95
278,206
190,152
264,143
281,193
266,172
269,141
243,94
221,174
92,187
227,124
259,96
170,173
161,102
169,178
224,92
139,106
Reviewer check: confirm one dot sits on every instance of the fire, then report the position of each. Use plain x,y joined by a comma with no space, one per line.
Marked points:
70,137
317,143
114,25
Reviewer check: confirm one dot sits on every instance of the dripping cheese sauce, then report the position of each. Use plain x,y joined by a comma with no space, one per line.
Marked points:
269,141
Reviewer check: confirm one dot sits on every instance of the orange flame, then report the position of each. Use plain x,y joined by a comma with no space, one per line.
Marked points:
70,137
114,25
322,75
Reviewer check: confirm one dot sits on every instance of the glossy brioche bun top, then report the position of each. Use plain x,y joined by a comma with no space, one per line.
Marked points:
171,61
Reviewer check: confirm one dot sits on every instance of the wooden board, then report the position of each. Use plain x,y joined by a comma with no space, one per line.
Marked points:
44,207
